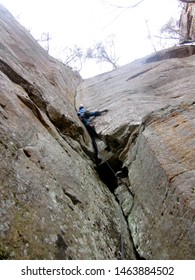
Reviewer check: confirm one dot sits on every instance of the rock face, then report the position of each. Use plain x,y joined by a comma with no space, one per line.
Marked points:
136,89
55,203
162,173
52,203
151,131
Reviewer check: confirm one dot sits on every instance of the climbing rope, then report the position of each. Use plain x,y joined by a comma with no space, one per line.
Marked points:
121,217
121,228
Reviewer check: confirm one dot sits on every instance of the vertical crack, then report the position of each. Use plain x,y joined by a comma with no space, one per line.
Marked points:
32,92
116,179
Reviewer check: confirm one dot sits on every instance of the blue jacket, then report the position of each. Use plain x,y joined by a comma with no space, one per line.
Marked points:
85,115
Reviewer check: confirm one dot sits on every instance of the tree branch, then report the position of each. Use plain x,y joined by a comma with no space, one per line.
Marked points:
149,35
123,7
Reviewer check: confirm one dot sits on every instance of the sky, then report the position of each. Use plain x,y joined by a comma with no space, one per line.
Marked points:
83,22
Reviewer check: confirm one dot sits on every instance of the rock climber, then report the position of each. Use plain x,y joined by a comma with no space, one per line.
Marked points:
85,117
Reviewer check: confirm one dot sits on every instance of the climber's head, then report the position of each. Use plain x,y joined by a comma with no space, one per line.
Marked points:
81,106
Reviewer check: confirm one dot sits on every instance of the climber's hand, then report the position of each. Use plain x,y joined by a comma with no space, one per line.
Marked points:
104,112
98,113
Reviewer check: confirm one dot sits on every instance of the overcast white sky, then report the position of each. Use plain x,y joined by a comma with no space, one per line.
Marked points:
82,22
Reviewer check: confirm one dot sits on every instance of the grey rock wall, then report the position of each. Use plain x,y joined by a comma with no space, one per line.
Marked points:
52,203
150,129
162,173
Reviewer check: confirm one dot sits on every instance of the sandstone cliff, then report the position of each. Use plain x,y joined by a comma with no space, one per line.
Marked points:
55,203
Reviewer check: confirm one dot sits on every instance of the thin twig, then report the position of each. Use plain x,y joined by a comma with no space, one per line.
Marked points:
122,7
149,35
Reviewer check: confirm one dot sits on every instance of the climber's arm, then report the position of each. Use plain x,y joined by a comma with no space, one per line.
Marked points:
92,114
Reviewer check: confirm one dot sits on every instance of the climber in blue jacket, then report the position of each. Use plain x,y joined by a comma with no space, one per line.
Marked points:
85,116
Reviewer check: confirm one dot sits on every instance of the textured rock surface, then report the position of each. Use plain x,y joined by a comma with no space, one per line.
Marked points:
162,173
52,202
157,150
136,89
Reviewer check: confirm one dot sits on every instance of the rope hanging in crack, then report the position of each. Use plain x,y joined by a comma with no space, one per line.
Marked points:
122,228
121,217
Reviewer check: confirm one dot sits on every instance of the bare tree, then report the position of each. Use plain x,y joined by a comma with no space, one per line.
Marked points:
149,35
179,30
170,33
72,54
171,30
45,38
123,7
72,57
103,52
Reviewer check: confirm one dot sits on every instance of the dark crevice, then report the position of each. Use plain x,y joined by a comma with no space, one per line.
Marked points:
64,125
2,105
27,153
110,173
4,255
107,173
61,248
179,52
140,73
35,102
32,92
75,200
34,108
